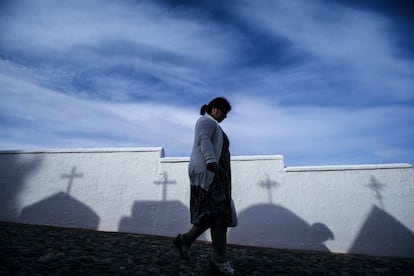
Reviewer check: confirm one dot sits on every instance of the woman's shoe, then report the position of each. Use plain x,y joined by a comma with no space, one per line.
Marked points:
220,268
183,250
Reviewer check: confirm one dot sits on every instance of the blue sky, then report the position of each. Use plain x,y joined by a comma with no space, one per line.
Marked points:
320,82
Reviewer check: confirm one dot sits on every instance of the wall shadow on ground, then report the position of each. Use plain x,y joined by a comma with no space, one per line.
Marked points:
383,235
60,209
165,218
272,225
13,174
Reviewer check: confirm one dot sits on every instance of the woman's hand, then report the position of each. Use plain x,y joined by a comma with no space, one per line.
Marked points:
212,167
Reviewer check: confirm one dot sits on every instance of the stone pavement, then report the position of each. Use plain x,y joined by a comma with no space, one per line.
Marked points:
44,250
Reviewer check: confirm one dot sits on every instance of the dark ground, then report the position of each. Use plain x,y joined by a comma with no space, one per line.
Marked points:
44,250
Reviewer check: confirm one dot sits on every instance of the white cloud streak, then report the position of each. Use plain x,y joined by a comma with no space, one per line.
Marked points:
47,118
319,135
78,76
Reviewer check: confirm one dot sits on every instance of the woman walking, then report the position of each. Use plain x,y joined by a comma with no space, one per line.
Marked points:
211,206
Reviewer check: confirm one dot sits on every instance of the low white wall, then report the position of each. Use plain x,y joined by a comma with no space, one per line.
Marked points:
359,209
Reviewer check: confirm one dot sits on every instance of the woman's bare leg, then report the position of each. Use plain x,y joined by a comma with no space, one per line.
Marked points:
219,240
193,234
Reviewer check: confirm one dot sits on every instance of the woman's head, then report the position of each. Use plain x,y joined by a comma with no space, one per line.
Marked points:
217,108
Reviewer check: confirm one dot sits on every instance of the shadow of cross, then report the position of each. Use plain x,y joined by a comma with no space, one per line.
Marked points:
71,176
268,184
376,187
164,182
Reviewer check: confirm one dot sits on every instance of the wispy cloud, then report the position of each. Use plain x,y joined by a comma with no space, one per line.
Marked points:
46,118
318,82
348,51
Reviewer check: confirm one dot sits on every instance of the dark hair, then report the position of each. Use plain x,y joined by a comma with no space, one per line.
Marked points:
220,103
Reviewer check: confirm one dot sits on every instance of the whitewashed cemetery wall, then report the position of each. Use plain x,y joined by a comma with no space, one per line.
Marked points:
365,209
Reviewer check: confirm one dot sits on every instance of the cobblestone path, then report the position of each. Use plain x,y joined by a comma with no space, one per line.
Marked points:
44,250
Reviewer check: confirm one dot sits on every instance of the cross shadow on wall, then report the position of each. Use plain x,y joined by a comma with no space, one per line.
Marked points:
269,224
14,170
61,209
381,233
157,217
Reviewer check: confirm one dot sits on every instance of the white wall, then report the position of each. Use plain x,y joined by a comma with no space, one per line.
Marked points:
360,209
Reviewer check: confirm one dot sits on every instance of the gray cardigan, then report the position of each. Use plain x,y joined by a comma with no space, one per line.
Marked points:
208,142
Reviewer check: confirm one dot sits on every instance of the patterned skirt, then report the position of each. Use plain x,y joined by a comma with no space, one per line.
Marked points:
207,206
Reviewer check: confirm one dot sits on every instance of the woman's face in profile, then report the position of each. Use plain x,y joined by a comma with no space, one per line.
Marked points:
218,114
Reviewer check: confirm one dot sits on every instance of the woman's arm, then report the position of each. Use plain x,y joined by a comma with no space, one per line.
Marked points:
205,130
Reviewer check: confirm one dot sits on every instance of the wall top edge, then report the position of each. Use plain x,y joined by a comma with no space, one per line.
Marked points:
175,159
85,150
350,167
256,157
233,158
